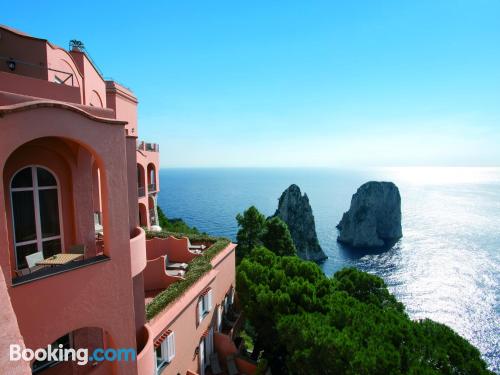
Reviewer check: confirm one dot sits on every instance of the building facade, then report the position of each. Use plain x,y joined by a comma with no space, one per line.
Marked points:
77,191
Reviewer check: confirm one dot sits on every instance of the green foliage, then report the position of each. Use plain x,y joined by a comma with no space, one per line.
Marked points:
174,225
252,225
307,323
255,230
198,267
277,237
366,288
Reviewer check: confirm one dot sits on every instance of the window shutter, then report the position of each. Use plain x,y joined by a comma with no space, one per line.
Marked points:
200,310
209,300
170,347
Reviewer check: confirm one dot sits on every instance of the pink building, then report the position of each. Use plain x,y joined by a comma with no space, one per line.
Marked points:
76,269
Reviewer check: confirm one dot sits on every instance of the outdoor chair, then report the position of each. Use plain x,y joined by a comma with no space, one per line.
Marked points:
175,266
177,272
214,364
22,272
232,369
77,249
195,247
32,260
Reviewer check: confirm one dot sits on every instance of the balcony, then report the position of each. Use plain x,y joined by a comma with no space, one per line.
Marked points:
151,188
152,216
163,248
56,270
152,147
145,352
138,251
141,191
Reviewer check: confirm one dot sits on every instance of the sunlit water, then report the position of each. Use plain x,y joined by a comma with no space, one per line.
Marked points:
447,265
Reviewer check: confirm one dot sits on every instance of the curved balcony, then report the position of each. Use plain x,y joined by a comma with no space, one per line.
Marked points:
145,352
138,258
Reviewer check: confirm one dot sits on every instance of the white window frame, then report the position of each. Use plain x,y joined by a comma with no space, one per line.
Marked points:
167,348
220,312
204,305
36,202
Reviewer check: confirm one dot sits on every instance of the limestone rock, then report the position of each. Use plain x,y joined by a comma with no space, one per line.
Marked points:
295,210
374,218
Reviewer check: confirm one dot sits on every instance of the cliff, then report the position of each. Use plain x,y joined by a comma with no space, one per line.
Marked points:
374,218
294,209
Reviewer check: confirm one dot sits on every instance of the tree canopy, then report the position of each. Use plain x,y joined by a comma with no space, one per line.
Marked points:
251,227
255,230
308,323
277,237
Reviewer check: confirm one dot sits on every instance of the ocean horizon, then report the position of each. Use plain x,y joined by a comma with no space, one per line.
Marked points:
447,265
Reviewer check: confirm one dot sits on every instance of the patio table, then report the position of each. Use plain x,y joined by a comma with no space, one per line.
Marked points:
59,259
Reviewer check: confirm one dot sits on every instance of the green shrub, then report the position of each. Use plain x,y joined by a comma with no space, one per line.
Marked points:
198,267
174,225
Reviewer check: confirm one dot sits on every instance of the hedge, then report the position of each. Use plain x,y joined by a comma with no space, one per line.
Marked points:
196,269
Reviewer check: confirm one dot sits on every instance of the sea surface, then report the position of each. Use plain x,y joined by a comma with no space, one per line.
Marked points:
447,265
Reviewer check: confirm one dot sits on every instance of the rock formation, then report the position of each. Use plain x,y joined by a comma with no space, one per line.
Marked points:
295,210
374,218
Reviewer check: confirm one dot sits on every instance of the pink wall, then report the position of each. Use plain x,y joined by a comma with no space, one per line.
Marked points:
181,316
31,51
175,248
94,87
145,158
146,358
124,102
15,83
49,308
10,334
138,251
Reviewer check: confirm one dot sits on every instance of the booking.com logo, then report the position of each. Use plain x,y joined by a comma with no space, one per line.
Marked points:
80,356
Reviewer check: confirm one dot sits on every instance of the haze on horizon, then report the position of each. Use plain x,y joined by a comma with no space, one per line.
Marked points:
318,83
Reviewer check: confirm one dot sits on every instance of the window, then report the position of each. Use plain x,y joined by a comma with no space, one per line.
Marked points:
35,205
165,352
39,366
204,304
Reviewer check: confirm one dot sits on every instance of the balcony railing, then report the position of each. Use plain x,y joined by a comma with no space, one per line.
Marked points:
51,271
141,191
145,146
152,188
60,76
152,216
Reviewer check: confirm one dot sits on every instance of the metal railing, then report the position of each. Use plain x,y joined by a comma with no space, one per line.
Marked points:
152,188
144,146
152,216
141,191
61,80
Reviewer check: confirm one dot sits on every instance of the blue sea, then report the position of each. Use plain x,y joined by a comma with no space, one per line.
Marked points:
447,265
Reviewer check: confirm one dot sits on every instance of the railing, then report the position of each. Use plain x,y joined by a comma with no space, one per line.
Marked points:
152,216
141,191
12,63
143,146
152,188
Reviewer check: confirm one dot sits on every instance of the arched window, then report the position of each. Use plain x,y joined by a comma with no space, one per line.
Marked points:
35,213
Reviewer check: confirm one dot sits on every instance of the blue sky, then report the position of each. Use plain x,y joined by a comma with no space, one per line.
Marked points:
297,83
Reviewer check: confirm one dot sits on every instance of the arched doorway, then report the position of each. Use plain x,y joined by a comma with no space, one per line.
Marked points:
52,186
143,215
141,181
151,178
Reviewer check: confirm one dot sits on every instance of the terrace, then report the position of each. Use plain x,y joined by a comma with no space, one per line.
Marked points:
174,263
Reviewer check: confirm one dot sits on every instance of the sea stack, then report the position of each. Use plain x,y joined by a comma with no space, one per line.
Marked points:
374,218
294,209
